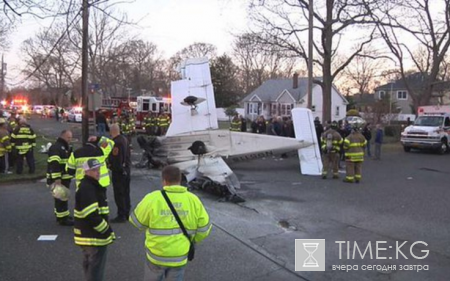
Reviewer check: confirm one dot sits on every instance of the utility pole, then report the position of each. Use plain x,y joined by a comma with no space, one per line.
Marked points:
310,53
84,73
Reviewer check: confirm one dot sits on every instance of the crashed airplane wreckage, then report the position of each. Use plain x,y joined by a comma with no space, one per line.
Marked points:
195,145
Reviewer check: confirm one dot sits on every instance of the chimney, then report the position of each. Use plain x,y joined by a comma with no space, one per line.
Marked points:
295,81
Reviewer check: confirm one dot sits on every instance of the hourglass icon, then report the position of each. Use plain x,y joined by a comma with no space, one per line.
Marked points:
310,260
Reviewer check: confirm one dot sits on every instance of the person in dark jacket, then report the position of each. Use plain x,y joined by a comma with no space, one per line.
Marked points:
58,154
261,125
319,131
102,124
378,142
367,133
120,163
92,230
243,124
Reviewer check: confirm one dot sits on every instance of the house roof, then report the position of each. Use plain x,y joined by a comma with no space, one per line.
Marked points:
271,89
415,81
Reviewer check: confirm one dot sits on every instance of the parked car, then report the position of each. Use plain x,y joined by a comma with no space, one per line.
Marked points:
38,109
75,115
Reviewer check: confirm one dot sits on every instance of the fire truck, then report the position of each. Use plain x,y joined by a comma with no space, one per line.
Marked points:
150,104
431,130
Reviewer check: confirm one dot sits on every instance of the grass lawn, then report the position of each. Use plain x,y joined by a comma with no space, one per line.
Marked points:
41,166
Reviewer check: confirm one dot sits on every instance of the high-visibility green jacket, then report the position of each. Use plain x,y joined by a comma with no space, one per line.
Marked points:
23,139
165,242
99,150
354,147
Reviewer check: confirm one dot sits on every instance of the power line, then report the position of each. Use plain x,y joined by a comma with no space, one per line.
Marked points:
66,31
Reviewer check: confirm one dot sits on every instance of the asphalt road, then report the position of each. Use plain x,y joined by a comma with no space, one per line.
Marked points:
402,198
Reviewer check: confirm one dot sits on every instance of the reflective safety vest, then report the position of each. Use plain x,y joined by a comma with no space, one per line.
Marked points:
99,150
165,242
147,122
5,143
125,127
354,147
23,139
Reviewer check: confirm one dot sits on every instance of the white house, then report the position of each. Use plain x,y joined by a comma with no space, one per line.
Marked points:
276,97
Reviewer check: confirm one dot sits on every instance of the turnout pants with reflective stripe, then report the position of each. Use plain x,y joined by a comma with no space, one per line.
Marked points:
330,161
121,185
61,207
29,155
354,170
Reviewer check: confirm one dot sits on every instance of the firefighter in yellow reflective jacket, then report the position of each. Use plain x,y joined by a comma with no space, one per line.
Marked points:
23,140
236,124
92,230
97,148
5,147
331,144
354,145
166,246
163,123
58,154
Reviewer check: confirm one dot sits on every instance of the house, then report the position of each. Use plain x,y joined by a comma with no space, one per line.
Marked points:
277,97
402,100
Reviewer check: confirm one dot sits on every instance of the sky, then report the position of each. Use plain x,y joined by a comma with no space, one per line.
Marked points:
170,24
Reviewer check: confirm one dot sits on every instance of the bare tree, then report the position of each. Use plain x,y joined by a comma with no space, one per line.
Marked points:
284,23
363,72
415,33
258,65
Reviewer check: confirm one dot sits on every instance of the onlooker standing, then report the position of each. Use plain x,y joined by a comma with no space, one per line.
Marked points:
243,124
24,140
120,163
378,142
5,147
319,131
367,133
92,231
102,124
167,247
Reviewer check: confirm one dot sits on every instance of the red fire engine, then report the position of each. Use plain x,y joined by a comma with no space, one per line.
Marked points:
149,104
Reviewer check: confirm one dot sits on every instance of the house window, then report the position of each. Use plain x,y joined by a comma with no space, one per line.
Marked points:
381,94
402,95
274,110
285,109
337,110
252,108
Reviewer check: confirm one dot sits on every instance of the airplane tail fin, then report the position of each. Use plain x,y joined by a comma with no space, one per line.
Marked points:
193,103
310,159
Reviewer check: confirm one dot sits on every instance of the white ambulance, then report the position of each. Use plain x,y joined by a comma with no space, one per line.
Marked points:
431,130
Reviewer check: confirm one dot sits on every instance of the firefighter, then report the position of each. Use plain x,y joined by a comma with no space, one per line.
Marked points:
58,154
148,124
5,147
163,124
92,230
236,124
167,248
354,145
11,126
331,145
96,148
23,139
120,164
